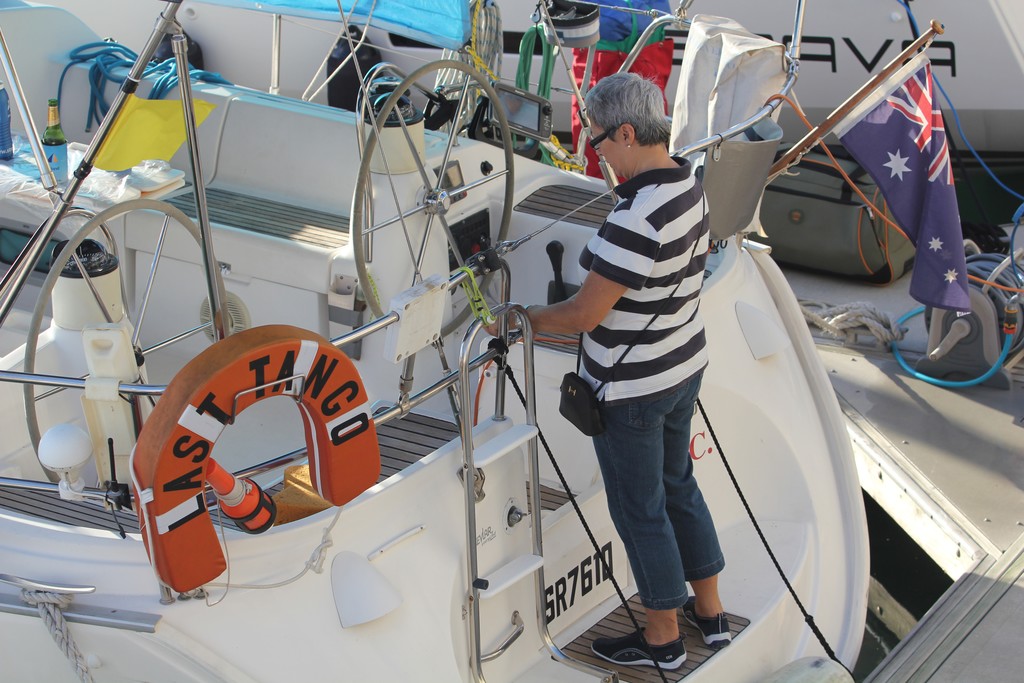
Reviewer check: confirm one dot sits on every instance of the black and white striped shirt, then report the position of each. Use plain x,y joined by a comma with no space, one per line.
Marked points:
655,238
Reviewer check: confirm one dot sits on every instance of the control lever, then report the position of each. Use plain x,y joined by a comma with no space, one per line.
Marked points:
556,288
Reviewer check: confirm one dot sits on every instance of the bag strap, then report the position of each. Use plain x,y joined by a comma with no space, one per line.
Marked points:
629,348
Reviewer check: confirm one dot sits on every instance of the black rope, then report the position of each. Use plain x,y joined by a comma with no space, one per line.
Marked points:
502,365
764,541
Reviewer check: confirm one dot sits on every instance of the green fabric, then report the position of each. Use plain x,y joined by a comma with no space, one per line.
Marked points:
526,47
11,244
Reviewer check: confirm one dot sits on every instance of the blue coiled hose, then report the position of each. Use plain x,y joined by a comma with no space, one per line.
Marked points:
949,384
983,266
111,62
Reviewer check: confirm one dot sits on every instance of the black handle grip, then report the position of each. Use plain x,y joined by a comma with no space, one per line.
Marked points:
555,251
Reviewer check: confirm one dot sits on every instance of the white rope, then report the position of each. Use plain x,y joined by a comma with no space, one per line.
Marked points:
847,321
50,606
487,49
315,562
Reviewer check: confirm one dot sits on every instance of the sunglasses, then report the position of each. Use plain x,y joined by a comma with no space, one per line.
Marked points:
595,142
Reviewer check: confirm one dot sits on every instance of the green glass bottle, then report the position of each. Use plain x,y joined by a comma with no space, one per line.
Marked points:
56,145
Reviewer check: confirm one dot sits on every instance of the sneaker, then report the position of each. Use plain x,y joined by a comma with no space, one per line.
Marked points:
633,650
715,630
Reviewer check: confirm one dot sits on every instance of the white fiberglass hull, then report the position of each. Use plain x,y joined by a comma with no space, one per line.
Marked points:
774,418
387,592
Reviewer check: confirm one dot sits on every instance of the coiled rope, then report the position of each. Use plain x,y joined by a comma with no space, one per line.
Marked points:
848,321
111,62
50,606
1000,269
483,53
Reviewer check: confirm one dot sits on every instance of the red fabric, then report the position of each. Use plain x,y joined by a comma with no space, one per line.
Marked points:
653,62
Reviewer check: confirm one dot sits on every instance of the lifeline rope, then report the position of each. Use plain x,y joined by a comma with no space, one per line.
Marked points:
809,619
502,349
50,606
845,320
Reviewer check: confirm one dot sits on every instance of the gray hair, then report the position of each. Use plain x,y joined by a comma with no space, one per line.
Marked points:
628,98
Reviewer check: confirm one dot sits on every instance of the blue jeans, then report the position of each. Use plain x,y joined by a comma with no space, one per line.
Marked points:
654,500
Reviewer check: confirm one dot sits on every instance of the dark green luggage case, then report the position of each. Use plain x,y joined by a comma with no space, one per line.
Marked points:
814,220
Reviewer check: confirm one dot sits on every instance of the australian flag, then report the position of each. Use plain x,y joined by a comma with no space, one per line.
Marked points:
897,135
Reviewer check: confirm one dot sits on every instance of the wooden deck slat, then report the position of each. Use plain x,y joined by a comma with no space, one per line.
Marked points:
413,427
48,506
255,214
419,448
558,200
406,458
551,498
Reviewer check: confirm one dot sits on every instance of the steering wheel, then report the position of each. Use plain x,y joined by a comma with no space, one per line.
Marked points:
434,200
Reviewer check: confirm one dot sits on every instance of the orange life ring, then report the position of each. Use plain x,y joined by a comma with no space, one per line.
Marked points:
170,460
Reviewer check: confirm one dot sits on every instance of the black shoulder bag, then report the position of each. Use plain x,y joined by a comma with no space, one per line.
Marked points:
579,403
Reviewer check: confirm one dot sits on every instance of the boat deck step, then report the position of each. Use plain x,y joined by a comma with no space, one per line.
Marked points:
618,623
510,574
268,217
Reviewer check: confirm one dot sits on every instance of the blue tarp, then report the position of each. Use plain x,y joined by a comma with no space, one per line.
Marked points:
444,23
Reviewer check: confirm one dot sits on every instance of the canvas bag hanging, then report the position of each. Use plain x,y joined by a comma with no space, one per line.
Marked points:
730,69
814,220
734,175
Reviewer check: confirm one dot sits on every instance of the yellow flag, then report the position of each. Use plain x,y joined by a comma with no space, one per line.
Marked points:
146,129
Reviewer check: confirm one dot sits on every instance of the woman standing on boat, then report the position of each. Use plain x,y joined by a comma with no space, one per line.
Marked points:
644,272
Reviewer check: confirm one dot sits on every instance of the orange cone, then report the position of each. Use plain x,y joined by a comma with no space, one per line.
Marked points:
242,500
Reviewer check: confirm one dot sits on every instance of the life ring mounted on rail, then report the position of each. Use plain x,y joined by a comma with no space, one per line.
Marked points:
171,461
